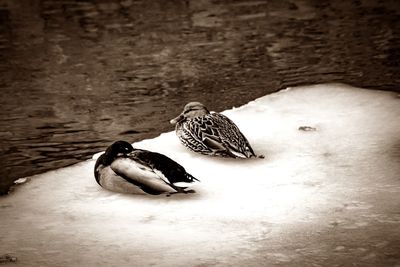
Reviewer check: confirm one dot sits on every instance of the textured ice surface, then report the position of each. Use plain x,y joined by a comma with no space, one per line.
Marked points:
326,194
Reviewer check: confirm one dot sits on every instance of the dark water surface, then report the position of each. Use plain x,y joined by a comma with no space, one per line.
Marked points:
75,76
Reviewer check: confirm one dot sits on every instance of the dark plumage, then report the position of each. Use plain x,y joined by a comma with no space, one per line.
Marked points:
125,169
210,133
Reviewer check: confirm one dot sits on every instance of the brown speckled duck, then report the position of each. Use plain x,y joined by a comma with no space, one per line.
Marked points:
210,133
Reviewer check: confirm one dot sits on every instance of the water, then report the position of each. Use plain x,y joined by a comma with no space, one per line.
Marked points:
76,76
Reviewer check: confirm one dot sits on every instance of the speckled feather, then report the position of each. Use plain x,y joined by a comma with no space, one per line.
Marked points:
196,133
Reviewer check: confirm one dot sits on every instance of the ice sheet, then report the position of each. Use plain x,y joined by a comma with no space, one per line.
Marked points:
326,194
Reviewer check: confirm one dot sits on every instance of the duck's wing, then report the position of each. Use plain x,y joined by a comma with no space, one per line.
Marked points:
167,169
232,137
221,136
141,175
190,135
202,134
108,179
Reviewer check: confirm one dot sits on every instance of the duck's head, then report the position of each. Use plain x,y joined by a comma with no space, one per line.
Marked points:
190,111
118,148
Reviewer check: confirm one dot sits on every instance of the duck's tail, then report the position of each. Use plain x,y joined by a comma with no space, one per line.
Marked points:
191,178
185,184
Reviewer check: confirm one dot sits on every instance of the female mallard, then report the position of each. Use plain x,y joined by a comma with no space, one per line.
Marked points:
210,133
125,169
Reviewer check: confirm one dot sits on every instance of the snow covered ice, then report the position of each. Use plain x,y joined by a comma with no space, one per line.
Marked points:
327,193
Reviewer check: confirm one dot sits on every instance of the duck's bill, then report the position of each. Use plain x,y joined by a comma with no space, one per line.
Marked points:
177,119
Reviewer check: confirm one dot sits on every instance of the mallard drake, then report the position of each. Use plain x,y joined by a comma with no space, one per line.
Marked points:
210,133
125,169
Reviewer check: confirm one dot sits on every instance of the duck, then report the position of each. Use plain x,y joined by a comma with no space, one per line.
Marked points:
125,169
212,134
